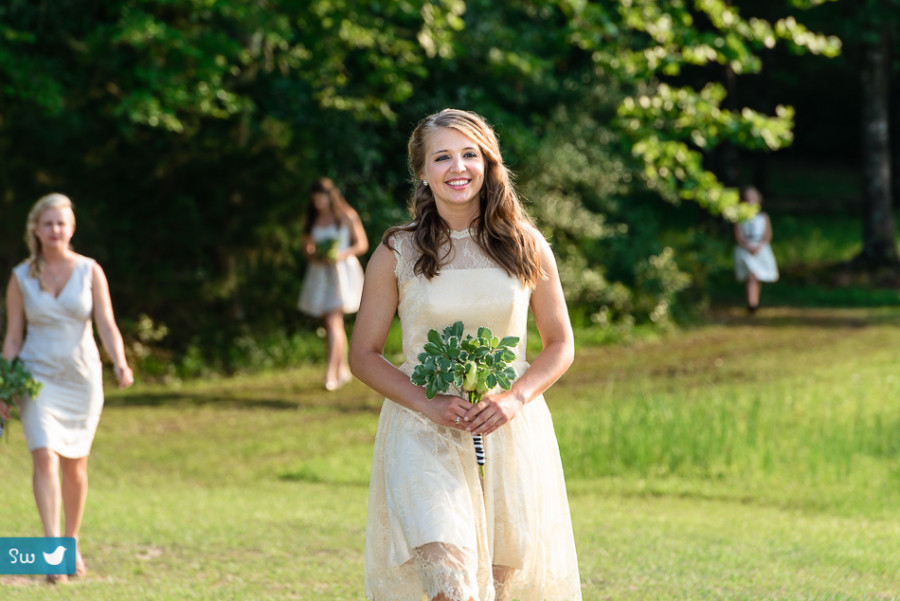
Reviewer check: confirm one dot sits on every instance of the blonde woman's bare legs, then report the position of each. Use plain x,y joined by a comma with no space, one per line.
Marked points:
47,491
337,372
74,495
53,498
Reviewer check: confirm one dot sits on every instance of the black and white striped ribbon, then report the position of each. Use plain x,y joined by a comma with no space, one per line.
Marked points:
479,448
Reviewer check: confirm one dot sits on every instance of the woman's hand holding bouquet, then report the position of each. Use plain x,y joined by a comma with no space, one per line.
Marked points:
474,365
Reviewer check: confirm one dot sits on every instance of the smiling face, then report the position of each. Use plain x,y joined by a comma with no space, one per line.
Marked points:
454,167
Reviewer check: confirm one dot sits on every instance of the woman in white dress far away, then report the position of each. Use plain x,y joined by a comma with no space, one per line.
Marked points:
333,238
754,261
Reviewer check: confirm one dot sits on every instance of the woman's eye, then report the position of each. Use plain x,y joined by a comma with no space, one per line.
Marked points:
471,155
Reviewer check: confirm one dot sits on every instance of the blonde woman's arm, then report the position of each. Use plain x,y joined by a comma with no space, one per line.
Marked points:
107,328
15,320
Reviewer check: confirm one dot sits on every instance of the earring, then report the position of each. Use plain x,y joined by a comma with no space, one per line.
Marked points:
425,182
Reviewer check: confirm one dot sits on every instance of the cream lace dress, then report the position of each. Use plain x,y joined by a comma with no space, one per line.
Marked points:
433,525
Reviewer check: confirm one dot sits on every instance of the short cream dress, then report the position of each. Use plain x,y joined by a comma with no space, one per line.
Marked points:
434,526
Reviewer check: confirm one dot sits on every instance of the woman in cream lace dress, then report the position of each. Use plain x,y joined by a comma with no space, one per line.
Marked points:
53,299
436,529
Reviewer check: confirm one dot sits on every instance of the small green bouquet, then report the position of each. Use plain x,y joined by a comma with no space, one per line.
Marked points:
15,381
474,364
327,249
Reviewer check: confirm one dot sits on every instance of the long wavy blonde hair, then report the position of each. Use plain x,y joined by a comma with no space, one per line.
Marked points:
50,201
502,227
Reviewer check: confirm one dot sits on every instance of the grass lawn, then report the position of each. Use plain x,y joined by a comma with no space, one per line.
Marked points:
746,458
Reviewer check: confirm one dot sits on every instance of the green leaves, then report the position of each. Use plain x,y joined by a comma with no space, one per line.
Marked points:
475,364
328,248
16,381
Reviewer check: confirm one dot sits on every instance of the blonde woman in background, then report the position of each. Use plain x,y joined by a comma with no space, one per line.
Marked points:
52,301
333,239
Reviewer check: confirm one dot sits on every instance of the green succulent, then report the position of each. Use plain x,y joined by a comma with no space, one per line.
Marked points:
328,248
475,364
16,381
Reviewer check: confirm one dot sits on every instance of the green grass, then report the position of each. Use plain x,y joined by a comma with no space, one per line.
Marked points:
746,458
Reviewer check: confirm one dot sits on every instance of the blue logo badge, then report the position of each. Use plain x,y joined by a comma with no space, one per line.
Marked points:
37,555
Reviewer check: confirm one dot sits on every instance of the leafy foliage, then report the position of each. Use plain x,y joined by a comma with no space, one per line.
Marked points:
187,132
16,381
474,364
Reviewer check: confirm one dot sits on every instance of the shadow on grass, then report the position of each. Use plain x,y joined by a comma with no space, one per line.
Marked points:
803,317
345,404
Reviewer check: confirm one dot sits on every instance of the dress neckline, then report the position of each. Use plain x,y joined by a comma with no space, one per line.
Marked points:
460,234
65,286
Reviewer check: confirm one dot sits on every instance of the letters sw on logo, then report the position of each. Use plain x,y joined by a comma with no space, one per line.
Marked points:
37,555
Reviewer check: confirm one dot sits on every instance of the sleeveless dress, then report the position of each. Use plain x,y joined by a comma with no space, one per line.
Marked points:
762,264
329,287
433,525
61,353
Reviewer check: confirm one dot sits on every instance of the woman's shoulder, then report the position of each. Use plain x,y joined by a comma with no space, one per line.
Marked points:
86,263
534,235
396,236
22,269
532,230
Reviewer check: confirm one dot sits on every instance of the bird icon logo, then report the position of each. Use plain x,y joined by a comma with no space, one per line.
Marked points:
55,558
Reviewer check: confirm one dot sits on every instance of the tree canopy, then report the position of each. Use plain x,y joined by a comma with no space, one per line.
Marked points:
187,132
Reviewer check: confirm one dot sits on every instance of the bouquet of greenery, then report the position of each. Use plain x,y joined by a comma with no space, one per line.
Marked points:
474,364
15,381
327,248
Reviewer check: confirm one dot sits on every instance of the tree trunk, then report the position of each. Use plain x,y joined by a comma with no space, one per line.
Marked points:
879,238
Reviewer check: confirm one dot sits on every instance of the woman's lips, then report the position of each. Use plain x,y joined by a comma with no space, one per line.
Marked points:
458,183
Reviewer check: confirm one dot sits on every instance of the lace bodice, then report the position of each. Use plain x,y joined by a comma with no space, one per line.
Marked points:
470,288
437,527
